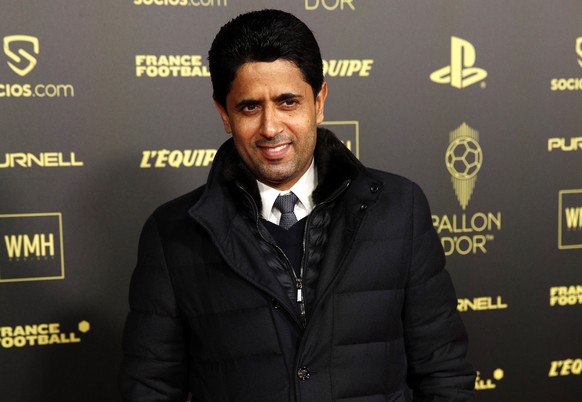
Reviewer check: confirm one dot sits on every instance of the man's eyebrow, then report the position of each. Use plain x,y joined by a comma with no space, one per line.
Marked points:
246,102
286,96
279,98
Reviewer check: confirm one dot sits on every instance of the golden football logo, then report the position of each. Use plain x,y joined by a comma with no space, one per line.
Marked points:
464,158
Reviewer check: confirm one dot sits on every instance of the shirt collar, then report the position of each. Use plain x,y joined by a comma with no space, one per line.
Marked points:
302,189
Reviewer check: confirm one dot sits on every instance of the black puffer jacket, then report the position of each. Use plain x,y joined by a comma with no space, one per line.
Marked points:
213,306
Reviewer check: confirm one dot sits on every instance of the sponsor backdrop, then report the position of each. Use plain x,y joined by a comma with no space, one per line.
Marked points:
105,113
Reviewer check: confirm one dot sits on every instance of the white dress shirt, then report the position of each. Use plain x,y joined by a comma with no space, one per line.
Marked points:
302,189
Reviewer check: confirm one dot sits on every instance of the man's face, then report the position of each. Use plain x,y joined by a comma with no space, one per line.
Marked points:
273,117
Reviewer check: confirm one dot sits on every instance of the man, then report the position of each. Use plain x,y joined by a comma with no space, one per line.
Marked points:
336,292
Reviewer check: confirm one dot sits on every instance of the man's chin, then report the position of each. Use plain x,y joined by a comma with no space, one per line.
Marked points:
278,181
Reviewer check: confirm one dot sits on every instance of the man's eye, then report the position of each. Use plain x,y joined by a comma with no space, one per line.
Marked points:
249,108
289,102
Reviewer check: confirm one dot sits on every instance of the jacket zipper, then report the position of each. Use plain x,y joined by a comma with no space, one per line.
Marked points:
304,246
298,281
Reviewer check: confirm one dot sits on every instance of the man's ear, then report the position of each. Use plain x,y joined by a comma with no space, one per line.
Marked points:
224,117
320,102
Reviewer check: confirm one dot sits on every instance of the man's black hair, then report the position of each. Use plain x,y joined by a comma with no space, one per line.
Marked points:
263,36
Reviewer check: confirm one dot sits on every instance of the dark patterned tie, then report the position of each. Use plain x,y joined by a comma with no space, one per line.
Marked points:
286,204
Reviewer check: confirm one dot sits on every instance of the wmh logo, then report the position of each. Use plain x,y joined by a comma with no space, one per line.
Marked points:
32,248
570,219
573,218
26,246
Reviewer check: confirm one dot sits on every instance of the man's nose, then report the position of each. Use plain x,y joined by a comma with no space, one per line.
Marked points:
271,123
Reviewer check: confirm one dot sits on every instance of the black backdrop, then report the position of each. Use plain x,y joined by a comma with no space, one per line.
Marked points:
105,112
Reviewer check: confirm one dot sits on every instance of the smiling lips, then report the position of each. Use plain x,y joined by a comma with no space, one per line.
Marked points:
274,152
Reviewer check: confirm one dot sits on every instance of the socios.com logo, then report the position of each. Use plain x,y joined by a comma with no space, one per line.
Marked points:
461,73
16,48
569,83
20,54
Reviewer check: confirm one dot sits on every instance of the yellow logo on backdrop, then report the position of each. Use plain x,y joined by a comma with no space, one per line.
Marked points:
566,295
170,66
573,218
470,234
348,132
25,246
566,84
195,3
45,334
21,51
570,219
347,67
481,304
20,54
464,158
330,5
461,73
572,144
569,84
484,384
579,50
31,247
43,159
163,158
564,368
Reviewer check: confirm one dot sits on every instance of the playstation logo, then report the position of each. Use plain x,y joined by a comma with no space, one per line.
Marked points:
461,73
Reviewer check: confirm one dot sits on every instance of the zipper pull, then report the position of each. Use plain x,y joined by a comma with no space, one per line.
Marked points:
302,311
299,284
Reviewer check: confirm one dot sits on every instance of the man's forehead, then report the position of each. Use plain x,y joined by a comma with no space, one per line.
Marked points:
279,77
277,65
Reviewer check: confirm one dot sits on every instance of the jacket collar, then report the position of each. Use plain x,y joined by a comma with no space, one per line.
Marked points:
219,208
335,164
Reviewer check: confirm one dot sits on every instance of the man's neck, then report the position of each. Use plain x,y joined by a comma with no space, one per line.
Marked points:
303,189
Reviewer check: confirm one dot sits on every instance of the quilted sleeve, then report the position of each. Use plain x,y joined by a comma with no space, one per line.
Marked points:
436,341
154,366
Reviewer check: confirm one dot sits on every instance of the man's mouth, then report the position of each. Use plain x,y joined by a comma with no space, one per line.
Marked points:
275,152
